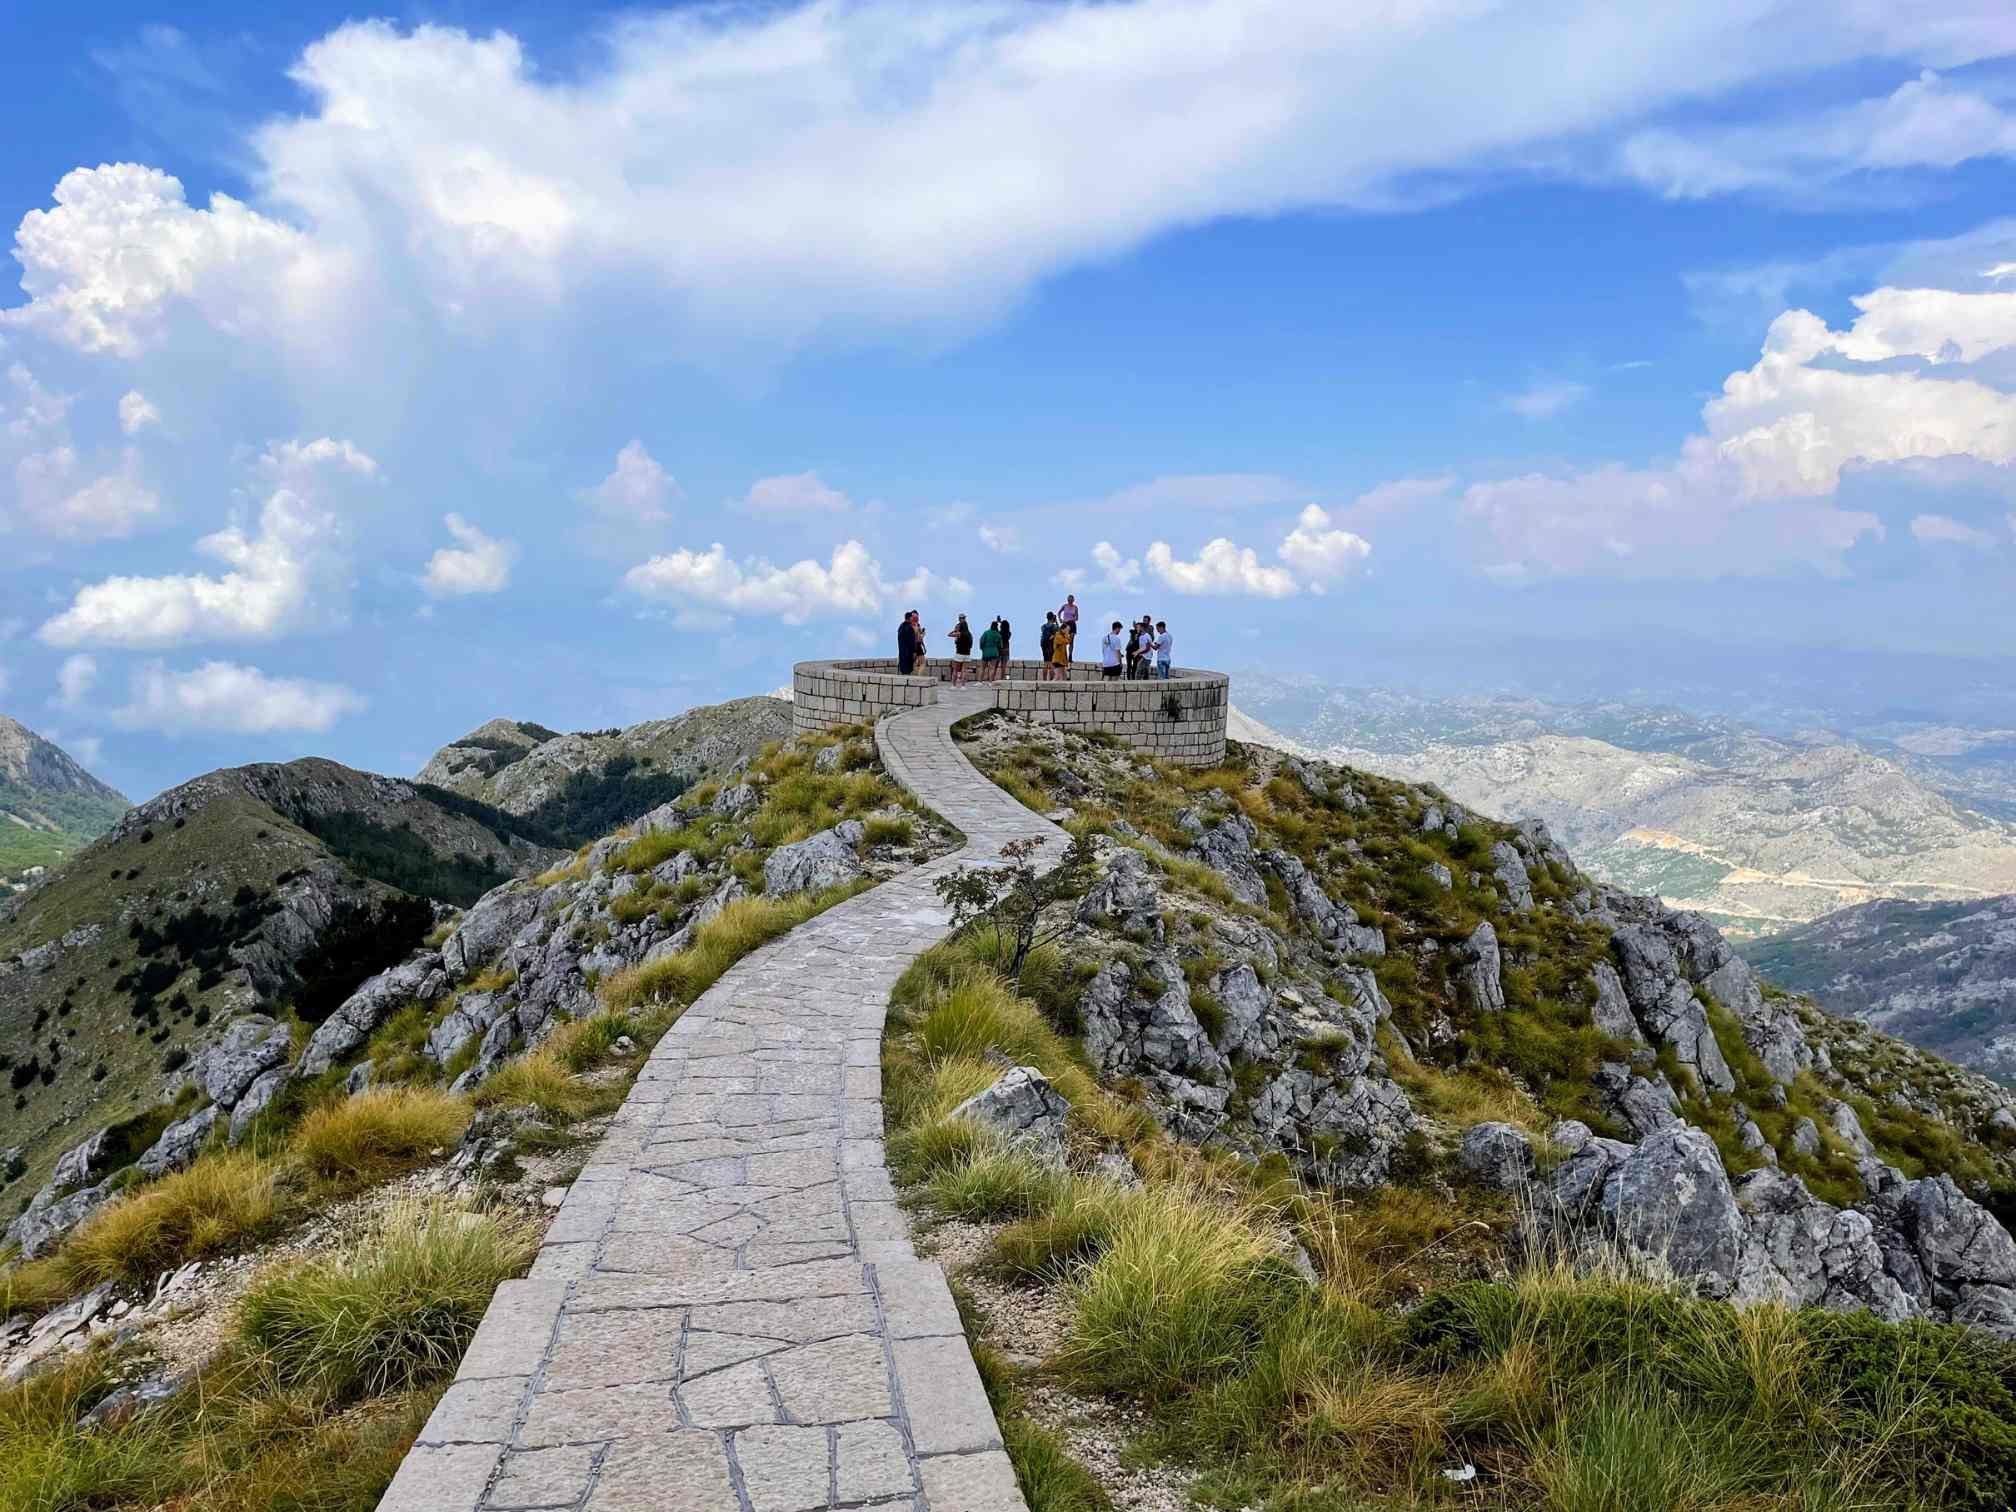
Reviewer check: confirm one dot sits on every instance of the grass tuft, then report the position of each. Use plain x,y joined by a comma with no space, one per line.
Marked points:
377,1134
223,1202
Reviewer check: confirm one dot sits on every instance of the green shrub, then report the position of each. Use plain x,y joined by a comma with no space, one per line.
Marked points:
395,1311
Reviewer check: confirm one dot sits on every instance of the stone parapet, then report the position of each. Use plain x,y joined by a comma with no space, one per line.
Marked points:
1179,719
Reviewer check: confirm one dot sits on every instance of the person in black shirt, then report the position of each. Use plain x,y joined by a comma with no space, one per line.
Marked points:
906,645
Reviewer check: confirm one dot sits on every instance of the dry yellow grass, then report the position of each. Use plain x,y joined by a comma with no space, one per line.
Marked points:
377,1133
221,1203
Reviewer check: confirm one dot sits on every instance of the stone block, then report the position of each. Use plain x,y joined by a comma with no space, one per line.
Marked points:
446,1479
971,1483
942,1394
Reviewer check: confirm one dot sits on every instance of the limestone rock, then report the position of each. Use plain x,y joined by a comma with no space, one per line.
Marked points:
1330,921
178,1143
1509,867
1805,1137
1498,1156
249,1048
492,922
1669,1200
1643,1105
1023,1109
1612,1010
421,979
1479,978
253,1103
1802,1252
1663,1001
827,859
734,801
1841,1118
1127,897
1227,848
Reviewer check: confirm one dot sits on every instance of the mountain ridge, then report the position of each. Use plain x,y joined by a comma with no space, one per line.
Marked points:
50,805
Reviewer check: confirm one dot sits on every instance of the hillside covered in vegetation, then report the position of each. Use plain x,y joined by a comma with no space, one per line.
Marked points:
1374,1156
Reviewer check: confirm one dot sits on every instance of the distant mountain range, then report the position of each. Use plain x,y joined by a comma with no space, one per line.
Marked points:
49,805
1761,832
1942,975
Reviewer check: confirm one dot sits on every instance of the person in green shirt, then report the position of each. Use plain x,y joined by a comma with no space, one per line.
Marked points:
990,652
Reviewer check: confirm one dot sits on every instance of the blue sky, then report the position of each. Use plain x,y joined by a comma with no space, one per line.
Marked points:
1311,330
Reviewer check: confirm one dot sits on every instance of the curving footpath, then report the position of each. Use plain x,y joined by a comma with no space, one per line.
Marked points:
727,1315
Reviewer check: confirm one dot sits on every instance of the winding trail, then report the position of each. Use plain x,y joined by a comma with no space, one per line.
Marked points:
727,1314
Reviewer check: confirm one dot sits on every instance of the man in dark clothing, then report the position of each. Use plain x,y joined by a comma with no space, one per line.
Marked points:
906,644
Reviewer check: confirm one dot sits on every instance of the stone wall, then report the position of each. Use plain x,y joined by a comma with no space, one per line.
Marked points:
1190,731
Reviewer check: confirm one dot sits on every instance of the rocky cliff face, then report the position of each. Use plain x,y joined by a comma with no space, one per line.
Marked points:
1301,960
49,805
1941,975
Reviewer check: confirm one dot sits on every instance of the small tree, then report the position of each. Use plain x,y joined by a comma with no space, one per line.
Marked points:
1010,898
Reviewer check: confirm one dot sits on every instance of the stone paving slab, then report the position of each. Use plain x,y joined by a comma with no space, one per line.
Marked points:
727,1314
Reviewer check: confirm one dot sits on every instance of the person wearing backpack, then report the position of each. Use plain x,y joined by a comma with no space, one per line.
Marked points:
1046,639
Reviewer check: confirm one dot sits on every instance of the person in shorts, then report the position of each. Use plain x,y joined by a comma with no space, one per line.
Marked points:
1113,652
961,636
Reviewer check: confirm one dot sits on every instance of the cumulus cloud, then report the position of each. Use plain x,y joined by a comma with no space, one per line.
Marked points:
476,564
1320,552
121,249
75,679
850,585
772,172
1121,574
136,412
1938,529
270,589
291,462
225,696
638,490
1221,568
1002,538
1544,399
795,493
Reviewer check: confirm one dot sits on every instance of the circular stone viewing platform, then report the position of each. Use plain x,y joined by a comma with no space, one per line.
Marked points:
1180,718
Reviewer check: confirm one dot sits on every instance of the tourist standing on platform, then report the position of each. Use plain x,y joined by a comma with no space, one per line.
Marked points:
906,645
1113,652
1060,654
1165,649
961,636
1007,644
1067,616
1046,640
990,652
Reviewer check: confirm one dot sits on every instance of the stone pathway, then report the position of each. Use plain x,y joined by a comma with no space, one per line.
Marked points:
727,1315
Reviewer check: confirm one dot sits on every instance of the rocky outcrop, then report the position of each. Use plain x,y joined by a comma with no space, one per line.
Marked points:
1498,1156
1479,975
179,1142
1127,897
1227,848
420,979
1334,923
1663,1000
1914,1249
1509,868
249,1048
830,858
1022,1109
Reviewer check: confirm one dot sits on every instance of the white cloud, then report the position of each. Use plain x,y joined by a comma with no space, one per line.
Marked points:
860,637
1069,578
850,585
477,564
1002,538
2000,270
795,493
224,696
1322,555
1121,574
1928,122
637,491
136,413
121,250
1544,399
1796,419
1221,568
1941,529
57,491
295,462
57,498
75,679
271,588
766,173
